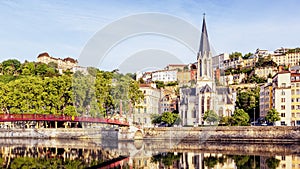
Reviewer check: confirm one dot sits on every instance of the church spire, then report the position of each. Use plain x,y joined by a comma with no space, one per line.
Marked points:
204,43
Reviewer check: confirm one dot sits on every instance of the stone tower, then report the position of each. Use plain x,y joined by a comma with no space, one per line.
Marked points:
204,60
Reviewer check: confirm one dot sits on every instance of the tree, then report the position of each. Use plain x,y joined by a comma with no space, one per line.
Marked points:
240,117
11,66
272,116
235,55
210,161
248,99
211,116
169,117
272,163
155,118
246,56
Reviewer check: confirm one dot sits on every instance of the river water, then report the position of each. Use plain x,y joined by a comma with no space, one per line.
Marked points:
50,153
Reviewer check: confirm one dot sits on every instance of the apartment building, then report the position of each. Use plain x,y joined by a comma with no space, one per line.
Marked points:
265,98
265,71
164,76
150,105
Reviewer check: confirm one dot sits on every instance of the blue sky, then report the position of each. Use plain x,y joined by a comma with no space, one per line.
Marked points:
62,28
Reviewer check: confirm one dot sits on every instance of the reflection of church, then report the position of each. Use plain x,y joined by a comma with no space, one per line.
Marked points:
194,101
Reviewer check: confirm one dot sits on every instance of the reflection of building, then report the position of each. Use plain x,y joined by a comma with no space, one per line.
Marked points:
150,105
168,102
284,162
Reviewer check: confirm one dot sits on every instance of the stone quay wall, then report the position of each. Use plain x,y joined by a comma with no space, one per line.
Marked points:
60,133
226,133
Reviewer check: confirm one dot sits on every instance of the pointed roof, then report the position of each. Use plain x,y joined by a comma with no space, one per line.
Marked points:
205,89
204,43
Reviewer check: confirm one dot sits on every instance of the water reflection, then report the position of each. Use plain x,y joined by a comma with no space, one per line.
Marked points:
23,153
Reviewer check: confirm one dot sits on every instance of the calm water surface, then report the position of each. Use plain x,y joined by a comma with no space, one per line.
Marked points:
27,153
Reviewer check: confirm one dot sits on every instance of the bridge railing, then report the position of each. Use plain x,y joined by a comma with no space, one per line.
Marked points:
51,117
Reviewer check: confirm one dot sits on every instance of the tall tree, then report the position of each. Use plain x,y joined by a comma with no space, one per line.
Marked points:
211,116
272,116
240,118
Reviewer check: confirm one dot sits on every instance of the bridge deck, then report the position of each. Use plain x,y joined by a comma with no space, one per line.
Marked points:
62,118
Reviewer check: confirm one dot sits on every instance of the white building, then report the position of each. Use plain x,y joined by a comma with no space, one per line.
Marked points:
218,61
150,105
164,76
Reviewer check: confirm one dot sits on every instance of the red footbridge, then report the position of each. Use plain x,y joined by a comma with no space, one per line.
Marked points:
61,118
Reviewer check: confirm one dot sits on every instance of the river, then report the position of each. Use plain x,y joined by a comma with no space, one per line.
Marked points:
93,153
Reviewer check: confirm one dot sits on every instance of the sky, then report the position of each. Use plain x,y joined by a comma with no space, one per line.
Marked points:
66,28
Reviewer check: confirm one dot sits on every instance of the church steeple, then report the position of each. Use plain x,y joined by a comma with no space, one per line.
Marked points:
204,58
204,43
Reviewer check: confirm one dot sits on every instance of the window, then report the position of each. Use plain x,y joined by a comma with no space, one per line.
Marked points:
282,93
145,101
282,114
282,100
145,110
293,107
282,107
282,123
293,91
283,84
139,110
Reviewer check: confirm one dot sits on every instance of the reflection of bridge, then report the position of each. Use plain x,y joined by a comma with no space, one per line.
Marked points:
61,118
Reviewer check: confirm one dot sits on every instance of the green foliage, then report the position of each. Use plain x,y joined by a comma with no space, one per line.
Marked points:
172,84
226,121
248,99
10,66
210,116
295,50
210,161
272,115
235,55
165,158
155,118
38,88
246,56
159,84
246,161
272,163
169,117
240,118
265,62
31,162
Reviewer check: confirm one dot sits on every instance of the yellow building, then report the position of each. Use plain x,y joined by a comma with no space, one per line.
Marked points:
291,59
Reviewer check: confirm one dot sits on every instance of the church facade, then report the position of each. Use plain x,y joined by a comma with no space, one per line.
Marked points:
205,95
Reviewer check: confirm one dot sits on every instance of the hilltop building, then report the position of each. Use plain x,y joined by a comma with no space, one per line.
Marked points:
62,64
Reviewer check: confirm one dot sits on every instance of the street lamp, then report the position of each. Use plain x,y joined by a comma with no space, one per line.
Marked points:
254,116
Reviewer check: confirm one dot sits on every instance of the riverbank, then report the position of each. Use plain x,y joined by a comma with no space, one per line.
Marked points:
256,134
226,133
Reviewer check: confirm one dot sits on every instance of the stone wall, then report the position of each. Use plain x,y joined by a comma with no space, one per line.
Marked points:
62,133
225,133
